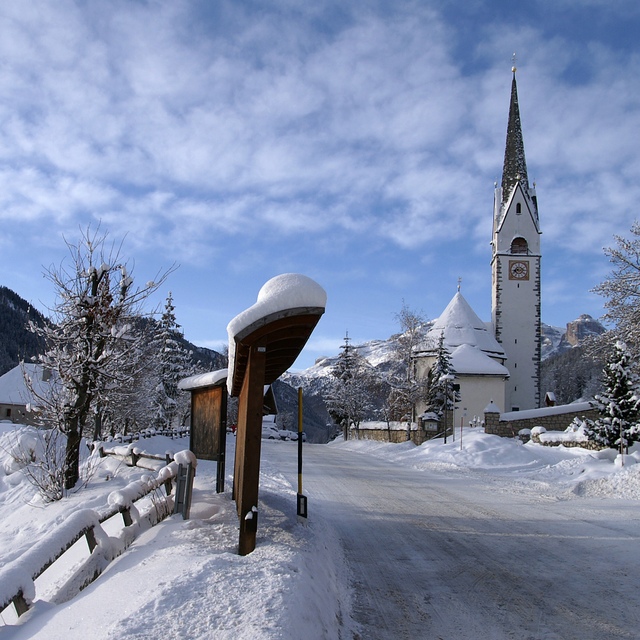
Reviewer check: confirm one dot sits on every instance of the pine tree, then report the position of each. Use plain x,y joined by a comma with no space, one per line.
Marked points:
619,403
441,391
173,363
348,398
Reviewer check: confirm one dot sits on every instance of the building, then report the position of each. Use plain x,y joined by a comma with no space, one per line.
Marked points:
499,362
515,270
17,403
477,360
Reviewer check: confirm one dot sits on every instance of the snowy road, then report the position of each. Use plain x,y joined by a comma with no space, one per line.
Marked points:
463,555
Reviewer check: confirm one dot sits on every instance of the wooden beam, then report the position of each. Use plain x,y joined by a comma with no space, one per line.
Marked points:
250,405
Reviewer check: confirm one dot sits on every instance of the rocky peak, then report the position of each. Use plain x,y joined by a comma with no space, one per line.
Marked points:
581,328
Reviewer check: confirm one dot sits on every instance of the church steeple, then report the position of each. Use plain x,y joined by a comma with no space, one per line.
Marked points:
514,169
516,301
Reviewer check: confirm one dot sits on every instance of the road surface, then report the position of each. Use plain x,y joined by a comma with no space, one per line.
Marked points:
457,555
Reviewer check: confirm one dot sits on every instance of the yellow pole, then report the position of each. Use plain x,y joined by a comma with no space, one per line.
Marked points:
300,440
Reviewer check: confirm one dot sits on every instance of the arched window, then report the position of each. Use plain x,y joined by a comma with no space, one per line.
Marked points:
519,245
519,208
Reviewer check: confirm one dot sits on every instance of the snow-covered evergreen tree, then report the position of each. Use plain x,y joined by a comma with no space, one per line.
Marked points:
173,362
441,391
89,343
618,404
348,398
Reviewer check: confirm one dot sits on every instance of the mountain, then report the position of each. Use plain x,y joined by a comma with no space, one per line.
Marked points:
561,354
551,340
583,328
16,341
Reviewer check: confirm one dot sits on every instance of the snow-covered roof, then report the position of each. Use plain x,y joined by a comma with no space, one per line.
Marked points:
461,325
546,411
13,389
289,292
201,380
467,359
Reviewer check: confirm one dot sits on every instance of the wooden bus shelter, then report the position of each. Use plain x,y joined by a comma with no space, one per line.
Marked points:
264,350
264,341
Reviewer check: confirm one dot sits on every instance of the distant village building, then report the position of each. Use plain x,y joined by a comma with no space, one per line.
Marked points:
17,404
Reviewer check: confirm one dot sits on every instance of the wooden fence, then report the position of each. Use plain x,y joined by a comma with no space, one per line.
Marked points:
17,579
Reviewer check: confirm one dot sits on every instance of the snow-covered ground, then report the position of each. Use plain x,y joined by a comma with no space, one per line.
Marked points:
184,578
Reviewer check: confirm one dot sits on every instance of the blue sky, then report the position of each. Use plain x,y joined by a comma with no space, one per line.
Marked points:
355,142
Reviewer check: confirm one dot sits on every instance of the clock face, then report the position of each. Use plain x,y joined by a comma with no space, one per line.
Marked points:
518,270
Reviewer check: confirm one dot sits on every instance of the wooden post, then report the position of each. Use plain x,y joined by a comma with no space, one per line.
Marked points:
249,441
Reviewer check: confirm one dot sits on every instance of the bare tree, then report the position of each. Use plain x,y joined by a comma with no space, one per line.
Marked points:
622,288
90,345
405,388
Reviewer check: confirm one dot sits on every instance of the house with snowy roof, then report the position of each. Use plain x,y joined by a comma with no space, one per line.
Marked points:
17,403
476,357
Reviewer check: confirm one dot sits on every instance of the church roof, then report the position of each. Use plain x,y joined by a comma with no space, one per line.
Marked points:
469,360
514,169
461,325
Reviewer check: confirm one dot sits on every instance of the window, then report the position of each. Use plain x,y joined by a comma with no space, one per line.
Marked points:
519,208
519,245
8,414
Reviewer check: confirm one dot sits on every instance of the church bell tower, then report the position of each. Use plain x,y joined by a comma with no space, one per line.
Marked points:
515,268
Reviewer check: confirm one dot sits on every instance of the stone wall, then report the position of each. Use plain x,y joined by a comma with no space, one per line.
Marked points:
551,418
593,446
417,436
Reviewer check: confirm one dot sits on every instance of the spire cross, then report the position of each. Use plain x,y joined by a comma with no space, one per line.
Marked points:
459,284
513,60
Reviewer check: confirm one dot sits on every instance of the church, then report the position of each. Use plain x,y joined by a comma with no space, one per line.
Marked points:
499,361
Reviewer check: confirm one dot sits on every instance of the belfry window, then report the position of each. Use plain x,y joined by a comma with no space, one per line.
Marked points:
519,245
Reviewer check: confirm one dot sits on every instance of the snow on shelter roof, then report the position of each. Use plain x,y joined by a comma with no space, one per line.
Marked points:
203,380
461,325
286,295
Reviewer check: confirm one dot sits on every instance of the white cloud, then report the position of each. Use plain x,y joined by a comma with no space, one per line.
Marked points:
207,134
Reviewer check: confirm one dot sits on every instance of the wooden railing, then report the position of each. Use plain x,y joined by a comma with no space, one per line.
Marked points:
17,579
178,432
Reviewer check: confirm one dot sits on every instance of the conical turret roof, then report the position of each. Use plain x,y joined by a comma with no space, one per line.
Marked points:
461,325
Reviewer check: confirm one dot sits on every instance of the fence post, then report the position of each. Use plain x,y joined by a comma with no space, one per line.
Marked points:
90,535
126,517
184,486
